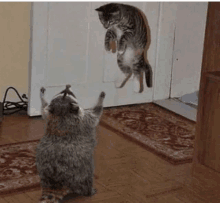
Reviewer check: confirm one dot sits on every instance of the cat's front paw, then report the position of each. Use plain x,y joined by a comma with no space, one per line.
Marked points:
42,90
102,94
120,52
121,49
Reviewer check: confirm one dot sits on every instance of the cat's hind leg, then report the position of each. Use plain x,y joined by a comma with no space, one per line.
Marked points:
53,195
122,79
138,70
83,186
125,74
138,82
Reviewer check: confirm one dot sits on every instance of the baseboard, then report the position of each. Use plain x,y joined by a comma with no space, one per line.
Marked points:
179,108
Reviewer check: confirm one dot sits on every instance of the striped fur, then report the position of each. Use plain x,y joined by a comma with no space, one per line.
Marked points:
125,24
64,156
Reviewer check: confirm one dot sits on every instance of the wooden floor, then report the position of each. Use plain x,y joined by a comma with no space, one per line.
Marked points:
125,172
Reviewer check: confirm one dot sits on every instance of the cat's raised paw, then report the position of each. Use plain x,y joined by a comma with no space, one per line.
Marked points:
120,52
42,90
121,49
102,94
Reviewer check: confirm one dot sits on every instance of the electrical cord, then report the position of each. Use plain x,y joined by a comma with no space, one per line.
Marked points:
16,106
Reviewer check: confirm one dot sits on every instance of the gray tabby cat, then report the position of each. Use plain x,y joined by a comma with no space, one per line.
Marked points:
125,24
64,157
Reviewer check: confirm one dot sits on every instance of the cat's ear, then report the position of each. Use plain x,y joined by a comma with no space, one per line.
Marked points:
99,10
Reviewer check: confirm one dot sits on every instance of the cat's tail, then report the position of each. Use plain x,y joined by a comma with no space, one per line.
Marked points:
148,75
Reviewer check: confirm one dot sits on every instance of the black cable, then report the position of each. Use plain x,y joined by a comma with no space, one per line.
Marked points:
18,106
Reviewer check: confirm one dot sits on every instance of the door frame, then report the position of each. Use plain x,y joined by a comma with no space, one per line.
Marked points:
165,47
38,53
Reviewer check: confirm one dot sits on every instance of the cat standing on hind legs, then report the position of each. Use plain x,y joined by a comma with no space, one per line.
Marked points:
125,25
64,156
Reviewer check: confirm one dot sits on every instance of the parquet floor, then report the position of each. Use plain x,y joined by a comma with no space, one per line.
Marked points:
125,172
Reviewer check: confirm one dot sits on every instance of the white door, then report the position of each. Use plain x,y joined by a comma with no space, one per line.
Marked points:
188,47
68,48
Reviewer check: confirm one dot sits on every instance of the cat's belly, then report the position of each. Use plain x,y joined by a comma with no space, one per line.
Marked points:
128,56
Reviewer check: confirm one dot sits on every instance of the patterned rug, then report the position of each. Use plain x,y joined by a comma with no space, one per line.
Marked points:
17,167
160,131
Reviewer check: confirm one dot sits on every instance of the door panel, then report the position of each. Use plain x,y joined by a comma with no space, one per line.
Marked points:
73,53
68,43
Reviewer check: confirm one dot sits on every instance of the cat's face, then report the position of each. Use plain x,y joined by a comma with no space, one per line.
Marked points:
109,15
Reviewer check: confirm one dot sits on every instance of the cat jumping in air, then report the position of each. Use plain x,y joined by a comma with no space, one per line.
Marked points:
64,156
125,25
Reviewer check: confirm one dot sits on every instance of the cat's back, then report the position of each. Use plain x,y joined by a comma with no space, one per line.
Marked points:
69,135
52,149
